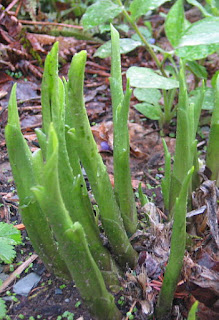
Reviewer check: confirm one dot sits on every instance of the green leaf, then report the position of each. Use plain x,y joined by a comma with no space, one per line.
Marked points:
197,69
208,103
148,110
141,7
175,23
9,236
200,40
126,45
99,13
2,309
148,95
148,78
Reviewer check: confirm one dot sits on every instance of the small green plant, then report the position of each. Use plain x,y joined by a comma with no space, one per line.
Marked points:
9,237
77,304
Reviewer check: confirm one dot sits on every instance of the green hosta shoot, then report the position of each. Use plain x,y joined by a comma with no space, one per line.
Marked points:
122,175
177,250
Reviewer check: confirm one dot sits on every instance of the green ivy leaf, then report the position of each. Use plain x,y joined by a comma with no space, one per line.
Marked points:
126,45
148,110
147,78
100,12
200,40
9,236
141,7
175,23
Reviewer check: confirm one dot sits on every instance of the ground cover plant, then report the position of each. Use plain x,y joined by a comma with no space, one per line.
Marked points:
44,181
54,172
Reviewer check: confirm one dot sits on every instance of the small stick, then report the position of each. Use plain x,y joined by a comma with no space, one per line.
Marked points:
18,8
131,309
17,272
11,5
46,23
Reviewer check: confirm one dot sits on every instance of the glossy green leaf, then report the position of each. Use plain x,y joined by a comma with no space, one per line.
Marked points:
175,23
126,45
148,78
148,110
148,95
100,12
200,40
141,7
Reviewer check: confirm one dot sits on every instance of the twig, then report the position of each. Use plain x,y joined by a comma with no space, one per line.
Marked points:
47,23
18,8
131,309
11,5
17,272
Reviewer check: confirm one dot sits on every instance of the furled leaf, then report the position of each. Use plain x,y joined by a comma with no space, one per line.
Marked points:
141,7
148,78
175,23
148,95
126,45
9,236
100,12
200,40
148,110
